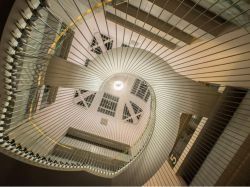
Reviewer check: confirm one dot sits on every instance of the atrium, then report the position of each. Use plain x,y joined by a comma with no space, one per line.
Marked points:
125,92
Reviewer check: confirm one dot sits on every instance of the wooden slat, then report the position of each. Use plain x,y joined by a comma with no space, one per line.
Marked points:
139,30
155,22
197,16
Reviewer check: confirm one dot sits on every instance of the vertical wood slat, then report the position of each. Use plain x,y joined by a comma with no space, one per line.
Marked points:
217,160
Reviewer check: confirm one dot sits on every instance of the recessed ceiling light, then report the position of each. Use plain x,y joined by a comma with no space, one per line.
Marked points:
118,85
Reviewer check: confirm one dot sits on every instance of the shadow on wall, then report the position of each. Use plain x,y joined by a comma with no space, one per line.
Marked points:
14,172
5,6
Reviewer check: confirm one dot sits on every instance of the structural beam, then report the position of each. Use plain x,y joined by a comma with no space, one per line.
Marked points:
195,14
140,30
61,73
155,22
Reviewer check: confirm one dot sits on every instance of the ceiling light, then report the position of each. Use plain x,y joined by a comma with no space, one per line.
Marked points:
118,85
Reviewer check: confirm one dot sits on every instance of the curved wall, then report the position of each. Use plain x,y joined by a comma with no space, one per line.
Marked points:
174,94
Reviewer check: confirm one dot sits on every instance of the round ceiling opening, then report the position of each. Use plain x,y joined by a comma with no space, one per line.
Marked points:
118,85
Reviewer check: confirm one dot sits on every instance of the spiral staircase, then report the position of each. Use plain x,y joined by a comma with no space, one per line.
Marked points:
125,92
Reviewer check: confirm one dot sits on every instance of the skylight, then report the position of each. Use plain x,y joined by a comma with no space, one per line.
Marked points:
140,89
84,98
108,104
95,46
118,85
